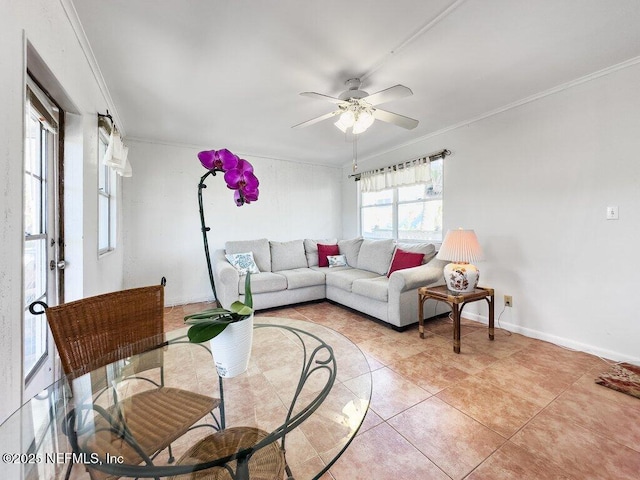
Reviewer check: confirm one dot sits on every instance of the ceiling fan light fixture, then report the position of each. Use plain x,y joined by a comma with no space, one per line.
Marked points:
357,118
365,120
347,120
356,108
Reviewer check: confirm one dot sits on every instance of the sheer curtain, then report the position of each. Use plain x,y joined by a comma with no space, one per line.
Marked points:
116,154
410,173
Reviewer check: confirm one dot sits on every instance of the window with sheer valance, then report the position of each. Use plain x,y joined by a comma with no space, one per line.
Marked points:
403,201
418,171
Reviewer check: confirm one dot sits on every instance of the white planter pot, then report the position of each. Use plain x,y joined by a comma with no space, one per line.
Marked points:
232,348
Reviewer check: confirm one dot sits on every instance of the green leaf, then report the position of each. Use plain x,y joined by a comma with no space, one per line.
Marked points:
211,321
248,298
213,312
202,333
218,315
240,308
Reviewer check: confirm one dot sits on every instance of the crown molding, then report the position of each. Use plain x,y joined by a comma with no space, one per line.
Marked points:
239,153
552,91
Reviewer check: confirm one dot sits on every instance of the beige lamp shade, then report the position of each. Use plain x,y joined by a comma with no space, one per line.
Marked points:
462,248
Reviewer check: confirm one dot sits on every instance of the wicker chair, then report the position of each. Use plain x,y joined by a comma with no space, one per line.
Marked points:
96,331
266,463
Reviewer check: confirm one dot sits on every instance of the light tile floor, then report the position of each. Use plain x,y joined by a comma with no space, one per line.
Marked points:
514,408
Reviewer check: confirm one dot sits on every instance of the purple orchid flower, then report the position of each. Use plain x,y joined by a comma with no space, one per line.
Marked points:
238,173
244,182
222,160
241,177
241,197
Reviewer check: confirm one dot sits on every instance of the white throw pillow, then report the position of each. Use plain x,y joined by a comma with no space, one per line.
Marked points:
243,262
259,248
337,260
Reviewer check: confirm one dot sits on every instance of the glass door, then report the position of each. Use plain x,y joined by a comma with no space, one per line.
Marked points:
41,265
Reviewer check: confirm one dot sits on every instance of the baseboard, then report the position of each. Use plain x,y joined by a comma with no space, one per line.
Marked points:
177,303
289,305
560,341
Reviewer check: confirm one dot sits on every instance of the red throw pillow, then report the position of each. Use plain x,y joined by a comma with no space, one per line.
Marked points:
324,251
402,260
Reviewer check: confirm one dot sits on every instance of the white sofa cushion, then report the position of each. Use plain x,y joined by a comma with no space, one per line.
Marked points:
311,249
259,248
264,282
427,249
375,255
287,255
351,248
376,288
326,269
302,277
344,278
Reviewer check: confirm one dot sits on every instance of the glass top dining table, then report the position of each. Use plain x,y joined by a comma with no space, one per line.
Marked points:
307,387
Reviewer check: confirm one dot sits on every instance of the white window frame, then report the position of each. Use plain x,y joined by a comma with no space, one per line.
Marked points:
438,174
36,334
106,193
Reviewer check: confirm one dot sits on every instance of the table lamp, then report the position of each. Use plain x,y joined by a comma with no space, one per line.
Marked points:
461,247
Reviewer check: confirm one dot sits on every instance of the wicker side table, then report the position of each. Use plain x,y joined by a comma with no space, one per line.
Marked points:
456,301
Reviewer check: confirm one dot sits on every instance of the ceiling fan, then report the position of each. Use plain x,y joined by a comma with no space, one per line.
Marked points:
357,110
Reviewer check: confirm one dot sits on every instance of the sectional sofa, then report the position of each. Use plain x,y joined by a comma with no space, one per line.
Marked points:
289,273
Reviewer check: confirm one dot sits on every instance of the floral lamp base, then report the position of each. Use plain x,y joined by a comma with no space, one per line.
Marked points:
461,277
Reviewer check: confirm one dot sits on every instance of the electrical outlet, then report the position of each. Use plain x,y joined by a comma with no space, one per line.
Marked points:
508,301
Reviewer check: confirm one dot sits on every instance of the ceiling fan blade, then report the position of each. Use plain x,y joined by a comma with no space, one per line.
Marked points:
389,94
317,119
399,120
320,96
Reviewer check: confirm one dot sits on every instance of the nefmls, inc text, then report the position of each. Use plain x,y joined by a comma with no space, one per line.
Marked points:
82,457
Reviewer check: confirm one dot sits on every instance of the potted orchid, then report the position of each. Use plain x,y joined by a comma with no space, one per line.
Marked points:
210,323
230,332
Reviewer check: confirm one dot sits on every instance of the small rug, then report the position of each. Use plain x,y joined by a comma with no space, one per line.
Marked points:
623,377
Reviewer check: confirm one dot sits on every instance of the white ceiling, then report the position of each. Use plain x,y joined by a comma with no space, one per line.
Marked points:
217,73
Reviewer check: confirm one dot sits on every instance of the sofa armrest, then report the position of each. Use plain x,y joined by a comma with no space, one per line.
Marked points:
410,278
226,278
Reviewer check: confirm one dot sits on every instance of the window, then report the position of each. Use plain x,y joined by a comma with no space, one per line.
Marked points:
39,161
106,194
406,213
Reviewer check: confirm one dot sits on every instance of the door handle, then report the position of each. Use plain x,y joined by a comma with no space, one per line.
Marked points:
60,264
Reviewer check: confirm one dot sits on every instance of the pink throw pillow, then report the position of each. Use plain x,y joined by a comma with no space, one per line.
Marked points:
402,260
324,251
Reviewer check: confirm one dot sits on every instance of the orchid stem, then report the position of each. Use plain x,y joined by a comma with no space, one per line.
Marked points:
205,229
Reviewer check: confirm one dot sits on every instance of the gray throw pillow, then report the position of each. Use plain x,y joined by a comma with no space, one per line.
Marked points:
287,255
375,255
350,248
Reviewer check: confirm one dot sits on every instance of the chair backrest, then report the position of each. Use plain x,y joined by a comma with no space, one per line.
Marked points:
95,331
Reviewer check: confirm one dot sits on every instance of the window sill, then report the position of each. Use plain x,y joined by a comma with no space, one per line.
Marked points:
105,253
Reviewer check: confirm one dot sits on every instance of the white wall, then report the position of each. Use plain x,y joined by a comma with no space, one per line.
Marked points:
162,225
46,26
534,182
